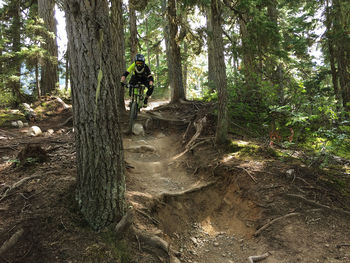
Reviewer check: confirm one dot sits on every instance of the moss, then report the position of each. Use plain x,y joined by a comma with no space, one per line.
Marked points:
119,248
7,116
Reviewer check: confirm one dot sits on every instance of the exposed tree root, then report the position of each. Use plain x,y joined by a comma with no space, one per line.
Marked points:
165,196
16,185
315,204
11,241
257,233
253,259
125,223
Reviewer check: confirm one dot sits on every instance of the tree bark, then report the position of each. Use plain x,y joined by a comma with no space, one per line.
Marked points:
211,68
219,73
49,68
167,42
99,149
118,48
133,32
14,83
177,90
343,56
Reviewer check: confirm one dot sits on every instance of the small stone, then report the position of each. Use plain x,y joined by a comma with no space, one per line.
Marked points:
216,244
34,131
20,124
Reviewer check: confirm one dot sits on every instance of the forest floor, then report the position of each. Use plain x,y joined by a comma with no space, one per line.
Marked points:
192,202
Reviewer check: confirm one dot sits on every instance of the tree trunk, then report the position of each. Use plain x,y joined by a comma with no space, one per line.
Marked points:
330,43
211,69
66,57
177,91
167,42
118,48
343,56
219,73
133,32
249,68
99,149
14,83
49,68
185,65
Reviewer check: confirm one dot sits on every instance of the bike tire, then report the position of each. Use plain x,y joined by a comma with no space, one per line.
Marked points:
132,115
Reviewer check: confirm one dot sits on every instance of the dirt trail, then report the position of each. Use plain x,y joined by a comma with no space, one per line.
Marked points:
206,204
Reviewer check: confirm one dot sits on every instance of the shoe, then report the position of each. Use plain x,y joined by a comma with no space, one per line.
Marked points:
145,102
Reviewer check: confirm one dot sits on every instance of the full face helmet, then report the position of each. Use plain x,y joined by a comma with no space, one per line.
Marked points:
140,63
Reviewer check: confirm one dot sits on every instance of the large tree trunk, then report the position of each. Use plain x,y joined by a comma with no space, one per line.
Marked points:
119,48
341,28
133,32
331,51
220,72
177,91
100,162
49,68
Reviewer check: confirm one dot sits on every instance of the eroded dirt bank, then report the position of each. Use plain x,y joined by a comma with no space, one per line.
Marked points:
204,204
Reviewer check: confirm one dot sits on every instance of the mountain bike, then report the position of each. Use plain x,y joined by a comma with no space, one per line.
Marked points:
136,103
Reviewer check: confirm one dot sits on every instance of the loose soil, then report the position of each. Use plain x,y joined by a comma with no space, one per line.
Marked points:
206,204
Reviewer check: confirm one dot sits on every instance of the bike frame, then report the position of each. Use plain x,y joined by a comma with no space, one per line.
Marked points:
137,95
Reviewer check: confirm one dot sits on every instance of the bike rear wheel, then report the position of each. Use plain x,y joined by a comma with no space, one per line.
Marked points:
132,115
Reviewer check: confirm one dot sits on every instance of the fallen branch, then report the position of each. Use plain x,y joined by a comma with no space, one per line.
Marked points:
186,132
16,185
313,203
251,176
11,241
199,127
257,233
189,146
253,259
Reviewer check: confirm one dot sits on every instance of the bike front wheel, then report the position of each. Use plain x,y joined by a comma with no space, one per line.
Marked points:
133,115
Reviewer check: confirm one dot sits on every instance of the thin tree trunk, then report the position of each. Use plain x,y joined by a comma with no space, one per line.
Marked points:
167,42
49,69
99,149
15,83
211,68
66,56
177,92
220,73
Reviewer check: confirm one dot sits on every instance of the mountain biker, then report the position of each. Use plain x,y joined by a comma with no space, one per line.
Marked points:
141,73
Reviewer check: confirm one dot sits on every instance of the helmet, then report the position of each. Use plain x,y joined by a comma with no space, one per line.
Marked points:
140,63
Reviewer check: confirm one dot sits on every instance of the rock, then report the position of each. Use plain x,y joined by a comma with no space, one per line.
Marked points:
216,244
50,131
26,124
34,131
14,124
137,129
20,124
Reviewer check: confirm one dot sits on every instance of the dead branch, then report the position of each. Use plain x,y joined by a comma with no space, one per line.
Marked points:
199,127
11,241
189,146
251,176
186,132
16,185
257,233
253,259
313,203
